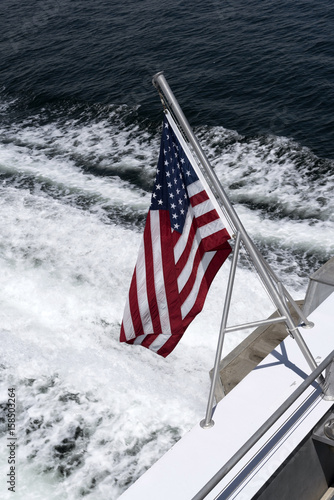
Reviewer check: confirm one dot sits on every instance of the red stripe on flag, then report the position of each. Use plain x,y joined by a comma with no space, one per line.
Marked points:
215,241
170,272
186,252
192,278
149,339
198,198
211,272
169,345
134,309
206,218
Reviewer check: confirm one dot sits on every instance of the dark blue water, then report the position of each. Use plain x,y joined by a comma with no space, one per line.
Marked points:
258,67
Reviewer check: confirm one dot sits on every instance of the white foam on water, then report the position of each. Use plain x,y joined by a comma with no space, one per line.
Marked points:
45,154
94,414
276,173
303,236
63,287
21,160
105,141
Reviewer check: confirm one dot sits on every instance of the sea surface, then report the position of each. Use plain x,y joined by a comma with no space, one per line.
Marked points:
80,126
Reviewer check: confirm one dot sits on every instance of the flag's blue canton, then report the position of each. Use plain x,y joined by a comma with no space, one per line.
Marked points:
174,173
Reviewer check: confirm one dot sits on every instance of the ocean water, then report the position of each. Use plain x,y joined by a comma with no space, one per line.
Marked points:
79,138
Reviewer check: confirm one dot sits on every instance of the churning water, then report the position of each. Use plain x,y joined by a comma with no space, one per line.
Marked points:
79,141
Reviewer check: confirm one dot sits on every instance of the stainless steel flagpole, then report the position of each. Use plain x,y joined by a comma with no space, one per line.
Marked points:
160,82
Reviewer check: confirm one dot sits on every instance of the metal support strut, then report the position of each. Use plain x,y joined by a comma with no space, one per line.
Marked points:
208,422
161,84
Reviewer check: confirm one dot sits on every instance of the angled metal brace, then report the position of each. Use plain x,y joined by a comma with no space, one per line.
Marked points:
161,84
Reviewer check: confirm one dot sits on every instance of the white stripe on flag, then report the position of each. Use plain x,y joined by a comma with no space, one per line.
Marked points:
144,309
203,208
139,339
159,342
127,322
191,299
194,188
159,279
188,268
211,228
182,242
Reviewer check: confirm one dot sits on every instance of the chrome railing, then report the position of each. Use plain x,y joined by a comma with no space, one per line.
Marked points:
263,429
277,292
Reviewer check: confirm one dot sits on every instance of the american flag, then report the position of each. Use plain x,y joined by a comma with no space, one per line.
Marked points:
184,245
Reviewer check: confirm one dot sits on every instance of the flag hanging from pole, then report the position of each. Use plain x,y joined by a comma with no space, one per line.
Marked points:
185,243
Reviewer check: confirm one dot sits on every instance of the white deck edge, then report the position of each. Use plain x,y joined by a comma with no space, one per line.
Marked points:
191,462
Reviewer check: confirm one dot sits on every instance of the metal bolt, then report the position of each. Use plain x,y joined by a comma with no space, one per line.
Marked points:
329,428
